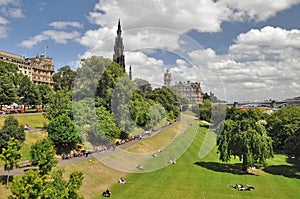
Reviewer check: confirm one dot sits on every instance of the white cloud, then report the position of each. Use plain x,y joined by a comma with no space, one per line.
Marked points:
60,37
3,21
258,64
65,24
3,31
256,9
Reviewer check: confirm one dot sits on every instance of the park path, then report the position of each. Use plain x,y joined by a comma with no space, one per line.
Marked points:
18,171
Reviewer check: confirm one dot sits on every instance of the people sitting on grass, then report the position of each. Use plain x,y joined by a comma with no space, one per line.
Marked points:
122,180
140,167
240,187
106,193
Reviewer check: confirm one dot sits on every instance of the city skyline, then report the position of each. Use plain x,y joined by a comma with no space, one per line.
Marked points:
238,50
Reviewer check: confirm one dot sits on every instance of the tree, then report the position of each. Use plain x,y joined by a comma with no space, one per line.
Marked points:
88,76
205,110
60,103
282,124
33,185
143,86
8,89
11,155
246,139
64,78
106,84
107,124
167,99
11,129
292,145
45,92
63,133
27,91
43,155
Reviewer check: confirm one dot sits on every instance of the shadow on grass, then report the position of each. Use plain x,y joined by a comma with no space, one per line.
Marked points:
224,167
290,171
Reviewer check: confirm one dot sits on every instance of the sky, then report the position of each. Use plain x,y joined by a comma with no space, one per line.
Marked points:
239,50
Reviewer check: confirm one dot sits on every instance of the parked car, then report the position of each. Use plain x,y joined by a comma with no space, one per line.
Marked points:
2,113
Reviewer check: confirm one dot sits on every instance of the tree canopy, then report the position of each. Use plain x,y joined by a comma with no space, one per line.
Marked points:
246,139
64,78
11,129
63,133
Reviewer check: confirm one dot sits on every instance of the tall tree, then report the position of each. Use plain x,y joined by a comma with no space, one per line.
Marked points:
63,133
45,92
28,92
43,155
143,86
11,129
282,124
246,139
10,155
167,99
64,78
106,84
8,79
33,185
60,103
292,145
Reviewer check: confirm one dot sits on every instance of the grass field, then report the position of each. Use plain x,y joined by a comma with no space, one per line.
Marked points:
190,177
33,120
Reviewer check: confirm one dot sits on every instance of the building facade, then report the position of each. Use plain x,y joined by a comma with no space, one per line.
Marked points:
40,69
190,90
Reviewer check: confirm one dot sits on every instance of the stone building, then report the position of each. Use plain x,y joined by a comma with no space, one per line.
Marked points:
40,69
191,90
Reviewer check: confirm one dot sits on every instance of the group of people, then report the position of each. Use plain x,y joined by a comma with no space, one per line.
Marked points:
240,187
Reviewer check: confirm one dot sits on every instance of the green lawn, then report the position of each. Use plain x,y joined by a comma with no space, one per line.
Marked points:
192,177
33,120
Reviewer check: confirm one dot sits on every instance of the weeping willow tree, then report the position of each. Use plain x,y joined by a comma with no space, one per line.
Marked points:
246,139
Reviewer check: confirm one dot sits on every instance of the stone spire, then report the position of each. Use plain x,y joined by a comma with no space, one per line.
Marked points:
119,48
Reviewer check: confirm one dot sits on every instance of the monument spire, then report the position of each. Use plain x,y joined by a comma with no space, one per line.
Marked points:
118,56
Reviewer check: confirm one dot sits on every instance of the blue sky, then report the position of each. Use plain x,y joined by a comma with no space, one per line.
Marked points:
240,50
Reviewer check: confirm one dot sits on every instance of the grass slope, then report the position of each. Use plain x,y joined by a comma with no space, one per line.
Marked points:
192,177
33,120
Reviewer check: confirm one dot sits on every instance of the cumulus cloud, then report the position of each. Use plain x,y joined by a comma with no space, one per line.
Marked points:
57,36
256,9
65,24
258,63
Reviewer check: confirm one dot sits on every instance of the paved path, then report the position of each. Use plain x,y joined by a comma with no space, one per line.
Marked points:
82,159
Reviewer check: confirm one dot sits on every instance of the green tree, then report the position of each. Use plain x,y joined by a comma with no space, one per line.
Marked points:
292,145
107,124
28,92
45,92
63,133
8,79
282,124
60,103
88,76
205,110
43,155
143,86
106,84
33,185
11,129
64,78
11,155
246,139
167,99
29,185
